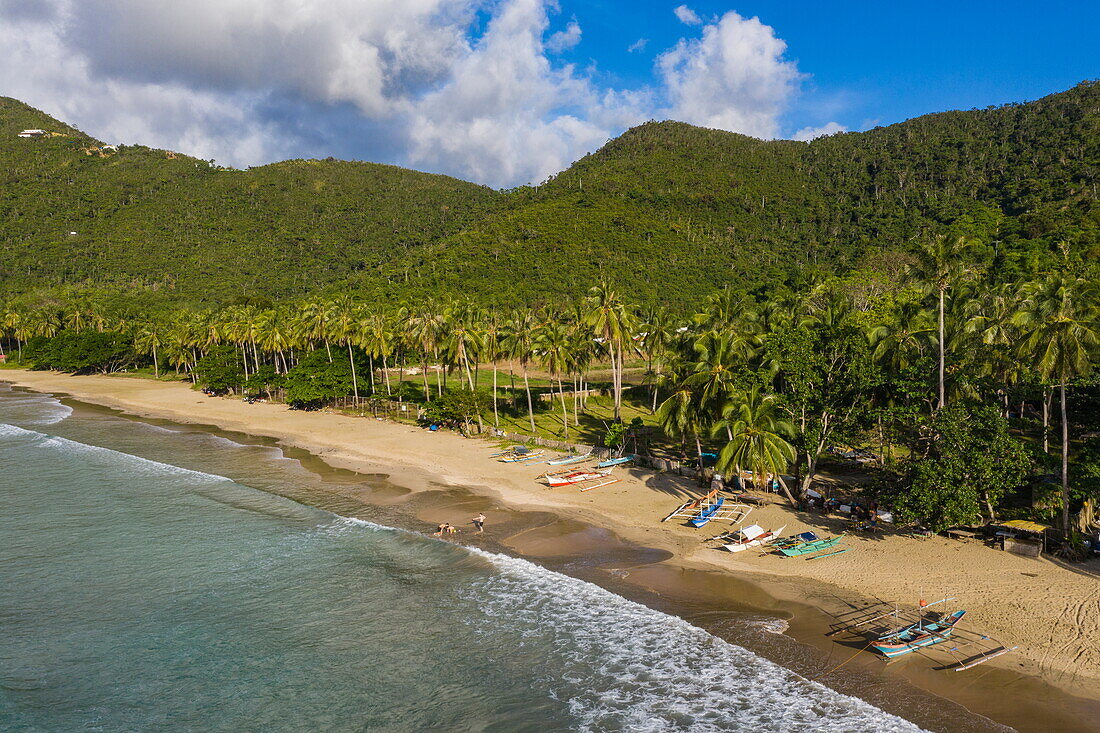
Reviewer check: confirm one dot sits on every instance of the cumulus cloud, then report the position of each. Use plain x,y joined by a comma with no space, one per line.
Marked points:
566,39
734,77
465,87
687,16
812,133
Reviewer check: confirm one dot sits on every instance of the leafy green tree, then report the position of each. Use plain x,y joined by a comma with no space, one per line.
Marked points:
220,369
84,352
971,460
315,381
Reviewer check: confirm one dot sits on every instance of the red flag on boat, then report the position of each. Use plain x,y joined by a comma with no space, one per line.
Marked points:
923,603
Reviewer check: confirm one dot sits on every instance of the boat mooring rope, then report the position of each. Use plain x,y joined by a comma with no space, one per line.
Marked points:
815,679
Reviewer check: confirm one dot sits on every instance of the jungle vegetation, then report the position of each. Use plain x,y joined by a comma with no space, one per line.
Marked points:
667,211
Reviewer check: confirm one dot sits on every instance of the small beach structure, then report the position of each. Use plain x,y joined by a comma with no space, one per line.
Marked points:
1021,537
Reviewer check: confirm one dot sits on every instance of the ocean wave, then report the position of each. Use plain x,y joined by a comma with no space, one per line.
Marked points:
627,666
32,408
94,451
620,665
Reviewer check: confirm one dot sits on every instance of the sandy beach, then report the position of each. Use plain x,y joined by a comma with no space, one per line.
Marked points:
1050,610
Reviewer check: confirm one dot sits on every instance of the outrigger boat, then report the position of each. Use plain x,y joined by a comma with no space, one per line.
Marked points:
566,460
522,456
752,536
725,512
916,636
576,477
707,512
614,462
806,548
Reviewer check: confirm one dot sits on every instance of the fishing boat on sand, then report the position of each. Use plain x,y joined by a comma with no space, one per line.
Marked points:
916,636
707,512
614,462
575,477
522,456
567,460
806,548
752,536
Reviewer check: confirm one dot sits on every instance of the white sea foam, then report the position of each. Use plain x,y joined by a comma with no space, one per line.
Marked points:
624,666
39,409
631,667
117,458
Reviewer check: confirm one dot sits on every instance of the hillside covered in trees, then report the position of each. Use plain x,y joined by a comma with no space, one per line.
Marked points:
670,211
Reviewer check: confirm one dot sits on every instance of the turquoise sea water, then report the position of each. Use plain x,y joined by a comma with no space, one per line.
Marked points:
139,594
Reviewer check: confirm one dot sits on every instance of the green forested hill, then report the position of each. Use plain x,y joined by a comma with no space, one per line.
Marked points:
669,210
184,227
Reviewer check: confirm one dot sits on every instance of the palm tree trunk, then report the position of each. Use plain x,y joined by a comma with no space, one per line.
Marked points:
1046,420
370,357
786,490
427,390
1065,458
564,412
328,350
617,367
496,413
942,400
354,378
530,407
156,366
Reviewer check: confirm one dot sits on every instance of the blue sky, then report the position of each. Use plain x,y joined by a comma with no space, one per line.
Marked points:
507,92
874,62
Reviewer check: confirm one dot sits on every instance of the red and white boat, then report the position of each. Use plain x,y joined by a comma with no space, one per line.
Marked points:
575,477
752,536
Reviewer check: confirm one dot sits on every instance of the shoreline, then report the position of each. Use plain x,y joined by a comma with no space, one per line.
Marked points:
627,513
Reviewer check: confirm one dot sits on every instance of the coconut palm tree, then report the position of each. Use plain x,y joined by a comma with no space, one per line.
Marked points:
424,335
610,320
759,439
718,356
552,344
941,264
681,415
341,324
657,335
378,340
315,316
518,342
1059,317
492,332
147,339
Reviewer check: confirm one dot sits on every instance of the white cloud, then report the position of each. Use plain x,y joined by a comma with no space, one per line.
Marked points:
638,46
687,16
811,133
566,39
412,82
733,78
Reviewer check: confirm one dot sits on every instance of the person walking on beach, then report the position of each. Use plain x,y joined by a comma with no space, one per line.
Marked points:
479,522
